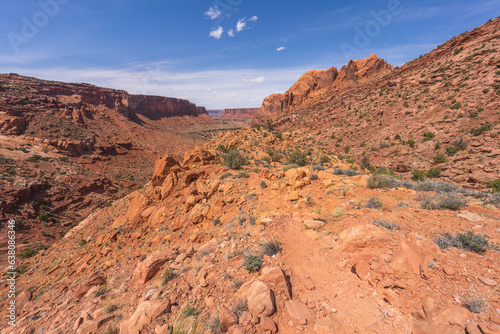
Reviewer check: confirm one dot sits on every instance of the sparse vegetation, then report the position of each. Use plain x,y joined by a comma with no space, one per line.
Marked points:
252,262
374,203
442,201
297,157
270,248
234,159
495,185
418,175
467,241
440,158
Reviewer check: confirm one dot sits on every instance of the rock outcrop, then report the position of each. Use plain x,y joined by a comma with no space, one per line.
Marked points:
314,84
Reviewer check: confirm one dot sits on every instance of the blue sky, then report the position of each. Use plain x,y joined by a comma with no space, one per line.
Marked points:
220,53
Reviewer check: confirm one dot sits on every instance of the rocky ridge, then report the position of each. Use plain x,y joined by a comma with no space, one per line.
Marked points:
439,111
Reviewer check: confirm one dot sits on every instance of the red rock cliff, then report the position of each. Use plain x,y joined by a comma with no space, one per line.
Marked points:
313,84
239,113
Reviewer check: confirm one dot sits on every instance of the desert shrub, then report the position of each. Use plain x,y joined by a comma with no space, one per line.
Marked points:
297,157
234,159
433,173
222,148
429,135
473,242
318,168
338,212
166,275
274,156
467,241
313,177
324,159
241,175
374,203
378,181
263,184
239,307
479,130
460,143
411,143
442,201
270,248
495,185
417,175
456,106
290,166
440,158
437,186
475,302
225,176
252,262
111,308
451,150
346,172
387,225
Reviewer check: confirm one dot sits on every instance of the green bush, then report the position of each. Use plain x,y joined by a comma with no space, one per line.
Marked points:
494,184
252,262
324,159
456,106
433,173
473,242
479,130
411,143
429,135
440,158
263,184
275,156
313,177
417,175
241,175
297,157
451,150
234,159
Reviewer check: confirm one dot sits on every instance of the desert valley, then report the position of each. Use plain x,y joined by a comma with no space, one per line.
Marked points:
364,199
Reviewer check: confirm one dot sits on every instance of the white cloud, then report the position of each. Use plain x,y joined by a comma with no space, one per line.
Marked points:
259,79
281,48
217,33
253,18
241,25
213,12
230,32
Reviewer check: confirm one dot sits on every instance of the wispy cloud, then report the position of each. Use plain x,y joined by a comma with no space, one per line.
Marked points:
281,48
217,32
230,32
253,18
258,79
213,12
241,25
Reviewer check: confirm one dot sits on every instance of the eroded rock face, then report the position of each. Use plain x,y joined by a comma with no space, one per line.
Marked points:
316,82
151,265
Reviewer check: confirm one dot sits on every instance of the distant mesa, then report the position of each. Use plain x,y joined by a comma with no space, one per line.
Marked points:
239,113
